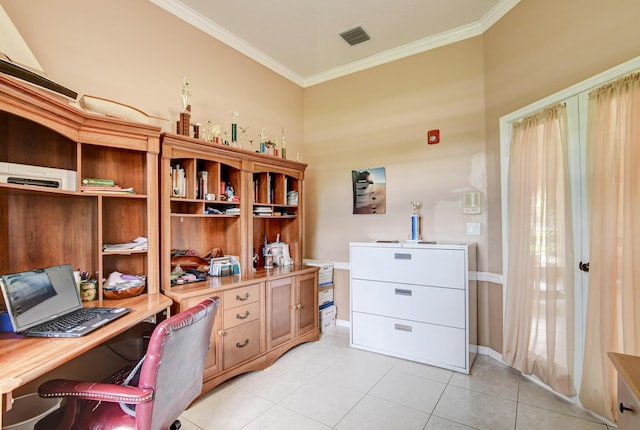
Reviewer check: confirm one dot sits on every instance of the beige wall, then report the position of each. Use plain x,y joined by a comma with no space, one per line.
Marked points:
134,52
379,118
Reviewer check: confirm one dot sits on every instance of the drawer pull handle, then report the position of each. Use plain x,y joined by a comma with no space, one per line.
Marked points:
242,299
240,317
624,408
403,327
242,345
401,256
401,292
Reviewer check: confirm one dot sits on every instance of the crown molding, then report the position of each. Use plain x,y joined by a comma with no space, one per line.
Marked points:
192,17
417,47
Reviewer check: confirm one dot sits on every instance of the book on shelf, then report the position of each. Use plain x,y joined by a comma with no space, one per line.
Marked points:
98,182
178,182
202,184
100,187
108,190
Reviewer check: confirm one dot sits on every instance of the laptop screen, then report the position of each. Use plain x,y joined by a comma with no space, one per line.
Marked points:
39,295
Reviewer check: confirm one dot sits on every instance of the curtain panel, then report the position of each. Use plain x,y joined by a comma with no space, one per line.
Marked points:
539,315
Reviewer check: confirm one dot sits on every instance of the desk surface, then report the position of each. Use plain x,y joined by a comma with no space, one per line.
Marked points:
628,367
23,359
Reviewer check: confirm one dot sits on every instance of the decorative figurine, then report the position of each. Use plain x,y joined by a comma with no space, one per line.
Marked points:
185,115
415,220
186,94
283,150
243,132
234,127
216,131
263,138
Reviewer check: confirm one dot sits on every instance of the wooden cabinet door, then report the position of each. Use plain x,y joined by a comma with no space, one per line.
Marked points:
211,366
307,303
280,308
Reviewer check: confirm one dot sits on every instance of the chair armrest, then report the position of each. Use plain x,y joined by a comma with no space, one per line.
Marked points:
95,391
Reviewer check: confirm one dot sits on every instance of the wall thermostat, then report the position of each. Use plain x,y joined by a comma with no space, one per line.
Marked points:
471,203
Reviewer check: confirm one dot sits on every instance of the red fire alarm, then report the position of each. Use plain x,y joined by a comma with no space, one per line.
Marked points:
433,137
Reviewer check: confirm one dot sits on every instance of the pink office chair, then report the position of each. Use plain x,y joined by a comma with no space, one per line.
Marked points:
154,393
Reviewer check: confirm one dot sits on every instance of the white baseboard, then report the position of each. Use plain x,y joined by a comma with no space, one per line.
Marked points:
485,350
343,323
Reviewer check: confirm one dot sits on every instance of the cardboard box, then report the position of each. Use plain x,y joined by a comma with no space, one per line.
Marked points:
327,313
325,275
325,296
327,324
327,318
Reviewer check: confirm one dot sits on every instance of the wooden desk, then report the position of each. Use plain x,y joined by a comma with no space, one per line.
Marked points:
628,368
23,359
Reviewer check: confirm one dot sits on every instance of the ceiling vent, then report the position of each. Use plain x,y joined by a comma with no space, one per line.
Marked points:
355,35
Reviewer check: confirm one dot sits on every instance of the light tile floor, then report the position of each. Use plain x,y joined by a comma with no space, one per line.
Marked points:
328,385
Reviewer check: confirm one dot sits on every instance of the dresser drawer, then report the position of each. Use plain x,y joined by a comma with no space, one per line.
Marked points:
435,267
443,306
240,315
420,342
240,343
241,296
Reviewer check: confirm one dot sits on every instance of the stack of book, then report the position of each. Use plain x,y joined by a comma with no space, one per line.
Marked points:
262,210
224,266
103,185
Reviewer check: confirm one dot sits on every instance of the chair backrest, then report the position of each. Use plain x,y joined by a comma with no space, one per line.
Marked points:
174,364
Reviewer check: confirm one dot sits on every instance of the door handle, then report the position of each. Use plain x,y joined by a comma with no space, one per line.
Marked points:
584,266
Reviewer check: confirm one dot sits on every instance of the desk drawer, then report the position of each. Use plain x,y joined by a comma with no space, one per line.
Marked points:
241,296
444,306
241,343
420,342
435,267
241,314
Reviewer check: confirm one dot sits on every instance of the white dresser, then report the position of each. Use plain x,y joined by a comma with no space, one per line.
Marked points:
415,301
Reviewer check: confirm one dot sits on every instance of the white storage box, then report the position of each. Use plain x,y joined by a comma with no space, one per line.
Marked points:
325,275
327,318
325,296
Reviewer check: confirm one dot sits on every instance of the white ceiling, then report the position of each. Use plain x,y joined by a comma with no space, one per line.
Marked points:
299,39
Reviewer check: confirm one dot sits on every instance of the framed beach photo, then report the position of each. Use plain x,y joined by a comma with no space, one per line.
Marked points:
369,191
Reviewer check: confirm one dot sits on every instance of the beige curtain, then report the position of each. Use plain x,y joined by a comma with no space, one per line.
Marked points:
539,316
613,310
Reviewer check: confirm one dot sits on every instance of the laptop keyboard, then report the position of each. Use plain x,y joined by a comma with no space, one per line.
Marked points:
72,320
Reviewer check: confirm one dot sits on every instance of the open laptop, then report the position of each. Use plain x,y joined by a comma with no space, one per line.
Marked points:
46,303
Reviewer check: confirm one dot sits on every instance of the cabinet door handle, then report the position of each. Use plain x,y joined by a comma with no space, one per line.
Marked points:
624,408
242,345
401,256
402,292
242,299
240,317
402,327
